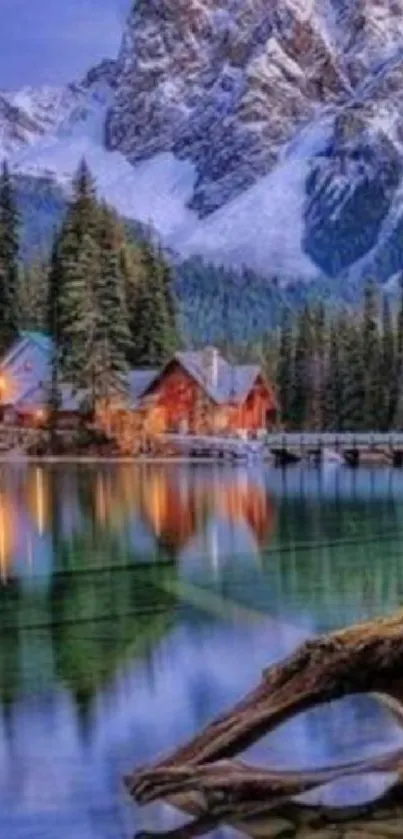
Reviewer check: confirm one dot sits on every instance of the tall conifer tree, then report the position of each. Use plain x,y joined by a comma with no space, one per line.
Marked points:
397,379
53,328
285,368
371,350
301,391
9,259
153,336
318,367
353,379
32,295
333,396
113,326
82,360
388,365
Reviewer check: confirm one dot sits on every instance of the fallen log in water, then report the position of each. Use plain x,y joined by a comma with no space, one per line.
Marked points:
362,659
231,782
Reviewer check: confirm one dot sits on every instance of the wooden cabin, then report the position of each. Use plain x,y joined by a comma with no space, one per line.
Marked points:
32,410
24,367
201,393
24,385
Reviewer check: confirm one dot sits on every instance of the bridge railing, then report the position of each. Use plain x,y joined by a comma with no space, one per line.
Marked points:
334,440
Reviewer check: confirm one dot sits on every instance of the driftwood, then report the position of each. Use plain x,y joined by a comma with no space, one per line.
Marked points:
367,658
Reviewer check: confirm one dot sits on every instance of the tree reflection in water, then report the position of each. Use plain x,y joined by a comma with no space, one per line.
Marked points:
117,640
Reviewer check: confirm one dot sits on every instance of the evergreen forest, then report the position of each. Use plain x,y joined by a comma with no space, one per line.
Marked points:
113,300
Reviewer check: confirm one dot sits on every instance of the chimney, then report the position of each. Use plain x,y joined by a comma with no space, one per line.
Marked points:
210,365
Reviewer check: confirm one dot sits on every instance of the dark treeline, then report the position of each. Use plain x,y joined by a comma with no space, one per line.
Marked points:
106,299
341,371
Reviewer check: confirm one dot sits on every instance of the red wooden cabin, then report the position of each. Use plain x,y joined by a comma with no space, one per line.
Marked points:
200,392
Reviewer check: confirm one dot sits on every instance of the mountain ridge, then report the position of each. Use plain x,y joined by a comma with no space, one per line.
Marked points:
265,135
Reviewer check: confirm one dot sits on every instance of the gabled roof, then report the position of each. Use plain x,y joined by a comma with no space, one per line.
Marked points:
44,342
36,397
232,383
139,381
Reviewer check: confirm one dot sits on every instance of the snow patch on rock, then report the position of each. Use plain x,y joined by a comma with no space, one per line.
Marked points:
155,191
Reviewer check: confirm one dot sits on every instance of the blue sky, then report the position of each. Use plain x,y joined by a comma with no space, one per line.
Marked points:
54,41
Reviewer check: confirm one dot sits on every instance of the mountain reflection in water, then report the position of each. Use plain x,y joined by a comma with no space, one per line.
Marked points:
137,602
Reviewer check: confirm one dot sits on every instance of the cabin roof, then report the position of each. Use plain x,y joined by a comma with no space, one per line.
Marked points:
233,383
44,342
36,397
39,338
139,381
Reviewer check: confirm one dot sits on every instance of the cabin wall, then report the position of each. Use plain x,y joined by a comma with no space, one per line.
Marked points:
28,418
186,407
177,403
257,412
183,403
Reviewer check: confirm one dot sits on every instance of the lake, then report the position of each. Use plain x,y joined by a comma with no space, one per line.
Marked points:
138,601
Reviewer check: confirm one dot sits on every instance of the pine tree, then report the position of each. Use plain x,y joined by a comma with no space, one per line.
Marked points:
396,408
9,260
32,295
388,366
171,303
85,358
113,327
152,336
318,368
83,212
71,250
301,389
53,324
333,395
353,380
285,371
371,351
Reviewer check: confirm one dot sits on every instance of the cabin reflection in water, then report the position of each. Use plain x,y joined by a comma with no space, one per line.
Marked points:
152,511
108,658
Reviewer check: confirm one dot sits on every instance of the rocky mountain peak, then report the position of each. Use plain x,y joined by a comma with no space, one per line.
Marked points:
268,132
217,82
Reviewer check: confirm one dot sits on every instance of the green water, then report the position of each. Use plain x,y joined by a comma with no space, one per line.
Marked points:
138,602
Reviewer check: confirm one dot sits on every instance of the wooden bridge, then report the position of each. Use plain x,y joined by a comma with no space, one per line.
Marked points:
350,447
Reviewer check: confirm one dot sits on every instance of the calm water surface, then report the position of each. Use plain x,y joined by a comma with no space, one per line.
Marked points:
138,602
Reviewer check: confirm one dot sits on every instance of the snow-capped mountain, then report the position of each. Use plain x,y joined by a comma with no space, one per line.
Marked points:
258,132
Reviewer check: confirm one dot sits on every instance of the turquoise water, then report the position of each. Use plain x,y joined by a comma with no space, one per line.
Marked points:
137,602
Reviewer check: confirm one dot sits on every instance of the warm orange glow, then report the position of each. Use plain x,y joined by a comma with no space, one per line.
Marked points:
40,414
3,546
8,533
101,500
37,498
40,501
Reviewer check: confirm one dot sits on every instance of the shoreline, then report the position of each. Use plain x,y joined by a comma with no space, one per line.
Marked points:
71,459
377,461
